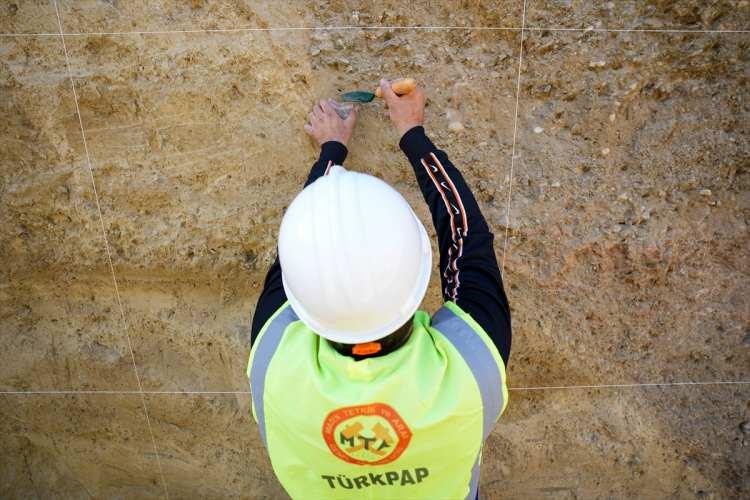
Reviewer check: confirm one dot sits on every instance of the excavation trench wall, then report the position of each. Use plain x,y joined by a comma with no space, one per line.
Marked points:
614,175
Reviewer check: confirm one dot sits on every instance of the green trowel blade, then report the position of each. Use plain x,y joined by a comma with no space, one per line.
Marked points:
358,96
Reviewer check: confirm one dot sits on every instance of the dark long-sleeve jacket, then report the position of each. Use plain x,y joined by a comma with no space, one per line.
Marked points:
469,273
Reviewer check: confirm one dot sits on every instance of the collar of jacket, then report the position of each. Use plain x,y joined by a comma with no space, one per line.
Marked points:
388,343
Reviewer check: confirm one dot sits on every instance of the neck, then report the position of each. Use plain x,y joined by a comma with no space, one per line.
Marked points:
387,344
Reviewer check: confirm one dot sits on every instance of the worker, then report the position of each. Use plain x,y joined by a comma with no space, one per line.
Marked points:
357,393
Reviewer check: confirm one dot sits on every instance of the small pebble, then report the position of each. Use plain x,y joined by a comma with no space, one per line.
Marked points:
538,130
555,184
612,117
605,151
745,427
705,192
455,126
597,64
623,197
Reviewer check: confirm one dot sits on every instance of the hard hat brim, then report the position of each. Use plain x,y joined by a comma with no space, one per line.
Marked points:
390,324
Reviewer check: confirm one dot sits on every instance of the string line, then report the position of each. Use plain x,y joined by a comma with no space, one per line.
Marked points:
109,254
629,386
354,28
515,133
246,392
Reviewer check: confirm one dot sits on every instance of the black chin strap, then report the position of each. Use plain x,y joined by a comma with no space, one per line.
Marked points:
377,348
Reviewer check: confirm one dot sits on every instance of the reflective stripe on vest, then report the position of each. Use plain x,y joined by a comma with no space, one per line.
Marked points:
267,345
483,366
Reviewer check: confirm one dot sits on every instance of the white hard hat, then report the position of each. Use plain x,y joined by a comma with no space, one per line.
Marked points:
355,259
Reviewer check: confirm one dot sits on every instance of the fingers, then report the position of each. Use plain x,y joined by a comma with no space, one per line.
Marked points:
352,118
328,108
325,107
308,128
318,110
389,96
421,96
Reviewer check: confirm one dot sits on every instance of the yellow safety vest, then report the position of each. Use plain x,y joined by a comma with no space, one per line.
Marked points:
408,424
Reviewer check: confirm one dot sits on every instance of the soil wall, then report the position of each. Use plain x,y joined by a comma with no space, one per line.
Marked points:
621,221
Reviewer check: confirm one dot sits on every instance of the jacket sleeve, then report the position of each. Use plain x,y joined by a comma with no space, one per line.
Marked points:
469,273
272,296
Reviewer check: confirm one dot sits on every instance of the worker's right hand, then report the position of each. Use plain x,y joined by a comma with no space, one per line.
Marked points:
406,111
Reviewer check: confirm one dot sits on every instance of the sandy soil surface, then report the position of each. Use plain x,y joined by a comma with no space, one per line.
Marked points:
625,243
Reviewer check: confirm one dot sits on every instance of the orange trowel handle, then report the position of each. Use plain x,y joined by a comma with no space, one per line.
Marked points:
400,87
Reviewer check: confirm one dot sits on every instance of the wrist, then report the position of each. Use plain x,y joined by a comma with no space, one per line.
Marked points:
415,143
334,151
405,127
343,140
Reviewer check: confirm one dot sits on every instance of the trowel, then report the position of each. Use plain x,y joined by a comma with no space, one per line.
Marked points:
400,87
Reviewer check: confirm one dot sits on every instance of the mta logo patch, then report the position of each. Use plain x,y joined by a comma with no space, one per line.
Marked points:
371,434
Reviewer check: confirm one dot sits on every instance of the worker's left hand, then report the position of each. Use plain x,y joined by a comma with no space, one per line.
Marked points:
324,124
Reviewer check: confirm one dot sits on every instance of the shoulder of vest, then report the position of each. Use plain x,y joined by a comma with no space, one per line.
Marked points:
260,358
480,355
283,315
268,340
450,311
